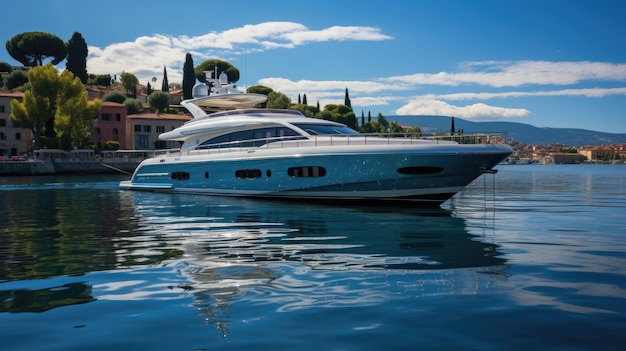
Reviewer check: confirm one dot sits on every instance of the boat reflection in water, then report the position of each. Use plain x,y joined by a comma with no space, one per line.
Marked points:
294,256
239,231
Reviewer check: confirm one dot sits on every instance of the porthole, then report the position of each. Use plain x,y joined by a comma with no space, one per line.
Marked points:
268,173
180,175
416,170
206,175
306,172
248,173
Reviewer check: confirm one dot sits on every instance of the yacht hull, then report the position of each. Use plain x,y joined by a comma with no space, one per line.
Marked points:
425,176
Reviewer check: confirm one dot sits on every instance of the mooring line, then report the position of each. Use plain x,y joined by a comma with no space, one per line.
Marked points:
117,169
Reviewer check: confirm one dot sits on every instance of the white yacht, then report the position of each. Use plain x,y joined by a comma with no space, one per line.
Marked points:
282,154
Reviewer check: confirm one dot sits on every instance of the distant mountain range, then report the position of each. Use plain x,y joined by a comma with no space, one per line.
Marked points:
514,131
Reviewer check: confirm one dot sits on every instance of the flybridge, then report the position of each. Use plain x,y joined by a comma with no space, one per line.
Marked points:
218,95
257,112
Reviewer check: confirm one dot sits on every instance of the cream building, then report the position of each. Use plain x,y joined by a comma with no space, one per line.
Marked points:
13,141
143,130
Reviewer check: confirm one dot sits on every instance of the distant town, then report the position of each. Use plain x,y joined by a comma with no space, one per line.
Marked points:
563,154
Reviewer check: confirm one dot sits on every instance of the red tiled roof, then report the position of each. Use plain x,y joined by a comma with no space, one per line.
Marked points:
111,103
11,93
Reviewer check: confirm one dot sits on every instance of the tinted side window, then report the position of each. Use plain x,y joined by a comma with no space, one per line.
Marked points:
248,138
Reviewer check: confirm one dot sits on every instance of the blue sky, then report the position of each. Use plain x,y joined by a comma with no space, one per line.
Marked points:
549,63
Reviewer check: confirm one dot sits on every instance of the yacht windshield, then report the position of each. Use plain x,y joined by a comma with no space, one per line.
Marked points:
250,138
325,129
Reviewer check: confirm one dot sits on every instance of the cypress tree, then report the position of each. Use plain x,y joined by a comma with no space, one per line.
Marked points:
165,87
304,99
77,56
189,77
347,100
452,129
299,101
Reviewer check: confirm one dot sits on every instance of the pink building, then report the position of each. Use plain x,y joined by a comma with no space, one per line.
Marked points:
111,125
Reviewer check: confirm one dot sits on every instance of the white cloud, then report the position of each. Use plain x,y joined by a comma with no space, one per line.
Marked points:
373,101
518,73
479,111
333,91
587,92
146,55
370,93
288,86
337,33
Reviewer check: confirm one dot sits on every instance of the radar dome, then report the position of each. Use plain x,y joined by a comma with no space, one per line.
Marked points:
223,78
200,90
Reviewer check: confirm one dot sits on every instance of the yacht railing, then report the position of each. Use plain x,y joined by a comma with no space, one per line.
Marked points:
334,140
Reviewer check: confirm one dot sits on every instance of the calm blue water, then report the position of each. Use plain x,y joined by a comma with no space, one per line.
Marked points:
534,258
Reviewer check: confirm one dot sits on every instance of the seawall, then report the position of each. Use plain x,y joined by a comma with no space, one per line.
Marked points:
27,167
42,167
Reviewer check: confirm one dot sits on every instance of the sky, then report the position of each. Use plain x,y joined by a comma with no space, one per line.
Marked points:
548,63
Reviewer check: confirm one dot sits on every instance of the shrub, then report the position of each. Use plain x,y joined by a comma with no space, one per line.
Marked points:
114,96
112,145
133,106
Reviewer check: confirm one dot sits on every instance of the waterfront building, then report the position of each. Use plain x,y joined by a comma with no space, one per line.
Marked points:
563,158
14,141
598,153
144,130
176,96
110,125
